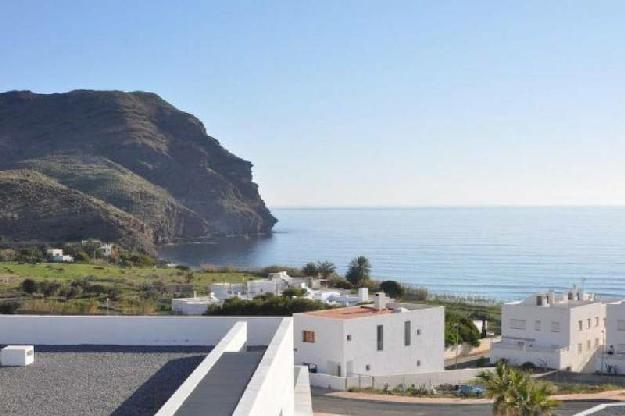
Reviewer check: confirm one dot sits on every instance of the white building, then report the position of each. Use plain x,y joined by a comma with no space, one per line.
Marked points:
553,331
196,305
56,255
106,249
611,359
339,296
275,284
376,340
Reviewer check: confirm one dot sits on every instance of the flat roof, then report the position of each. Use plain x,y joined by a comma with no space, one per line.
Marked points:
96,380
364,311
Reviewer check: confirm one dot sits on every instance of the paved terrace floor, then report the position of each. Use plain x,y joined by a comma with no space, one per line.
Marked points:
96,380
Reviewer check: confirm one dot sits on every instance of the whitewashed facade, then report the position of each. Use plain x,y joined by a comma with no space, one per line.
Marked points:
555,331
374,340
612,358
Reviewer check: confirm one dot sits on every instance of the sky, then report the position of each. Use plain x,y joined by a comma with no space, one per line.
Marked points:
362,103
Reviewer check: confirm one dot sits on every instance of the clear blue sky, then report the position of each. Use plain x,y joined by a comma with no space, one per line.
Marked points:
349,103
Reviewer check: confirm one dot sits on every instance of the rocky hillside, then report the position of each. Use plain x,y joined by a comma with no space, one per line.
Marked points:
134,168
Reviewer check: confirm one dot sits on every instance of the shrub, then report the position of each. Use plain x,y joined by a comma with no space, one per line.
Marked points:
265,305
294,291
392,288
9,307
339,283
29,286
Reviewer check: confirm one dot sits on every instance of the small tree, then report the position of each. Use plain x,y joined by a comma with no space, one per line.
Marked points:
392,288
326,269
29,286
310,269
359,270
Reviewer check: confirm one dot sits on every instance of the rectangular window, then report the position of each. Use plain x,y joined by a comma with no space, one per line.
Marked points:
407,332
308,336
418,363
588,323
597,321
517,323
555,326
620,325
580,325
380,337
537,325
349,338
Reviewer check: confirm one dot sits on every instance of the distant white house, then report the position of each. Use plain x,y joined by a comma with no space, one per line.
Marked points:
612,358
377,340
106,249
56,255
197,305
554,331
274,284
340,297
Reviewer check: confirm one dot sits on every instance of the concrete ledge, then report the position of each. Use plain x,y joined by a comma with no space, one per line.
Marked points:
234,341
270,391
303,399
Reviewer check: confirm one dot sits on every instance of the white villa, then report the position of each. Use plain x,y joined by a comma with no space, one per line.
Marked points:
555,331
376,340
612,358
196,305
56,255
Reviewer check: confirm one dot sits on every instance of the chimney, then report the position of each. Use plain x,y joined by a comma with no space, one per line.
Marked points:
363,295
380,301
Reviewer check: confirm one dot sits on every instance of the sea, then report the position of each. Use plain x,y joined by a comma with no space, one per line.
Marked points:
496,253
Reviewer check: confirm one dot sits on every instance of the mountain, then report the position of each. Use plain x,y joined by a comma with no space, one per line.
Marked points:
118,166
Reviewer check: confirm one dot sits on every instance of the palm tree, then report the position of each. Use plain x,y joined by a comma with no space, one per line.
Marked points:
326,268
359,269
516,394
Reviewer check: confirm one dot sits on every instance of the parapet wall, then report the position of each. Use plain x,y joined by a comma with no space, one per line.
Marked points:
130,330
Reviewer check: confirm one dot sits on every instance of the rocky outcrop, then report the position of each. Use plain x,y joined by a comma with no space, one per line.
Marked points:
129,153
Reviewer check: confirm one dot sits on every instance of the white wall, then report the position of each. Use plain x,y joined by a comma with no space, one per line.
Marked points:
541,343
233,341
331,347
270,392
615,338
129,330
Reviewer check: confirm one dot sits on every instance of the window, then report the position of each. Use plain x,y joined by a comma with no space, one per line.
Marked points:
418,363
588,345
555,326
309,336
596,321
580,325
418,332
367,367
588,323
537,325
349,338
579,348
620,325
517,323
380,337
407,332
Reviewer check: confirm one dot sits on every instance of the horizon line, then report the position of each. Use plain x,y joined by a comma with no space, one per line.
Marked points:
477,206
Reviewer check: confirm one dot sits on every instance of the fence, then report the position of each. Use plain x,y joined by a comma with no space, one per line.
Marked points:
381,382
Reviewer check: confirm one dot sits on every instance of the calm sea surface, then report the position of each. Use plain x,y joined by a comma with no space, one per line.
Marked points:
495,252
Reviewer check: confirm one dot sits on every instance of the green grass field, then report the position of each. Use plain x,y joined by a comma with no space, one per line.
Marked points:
128,289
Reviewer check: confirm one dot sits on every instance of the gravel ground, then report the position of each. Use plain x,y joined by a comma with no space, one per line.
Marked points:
96,381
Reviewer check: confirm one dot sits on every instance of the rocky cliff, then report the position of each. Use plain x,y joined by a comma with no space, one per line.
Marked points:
132,168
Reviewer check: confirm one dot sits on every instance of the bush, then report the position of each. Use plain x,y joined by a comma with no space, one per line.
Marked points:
265,305
340,283
459,329
293,291
392,288
29,286
419,294
310,269
9,307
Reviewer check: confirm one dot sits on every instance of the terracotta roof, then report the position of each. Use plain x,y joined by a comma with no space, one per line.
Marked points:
351,312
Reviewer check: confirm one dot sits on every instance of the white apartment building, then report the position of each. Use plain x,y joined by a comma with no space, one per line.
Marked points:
612,358
376,340
554,331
